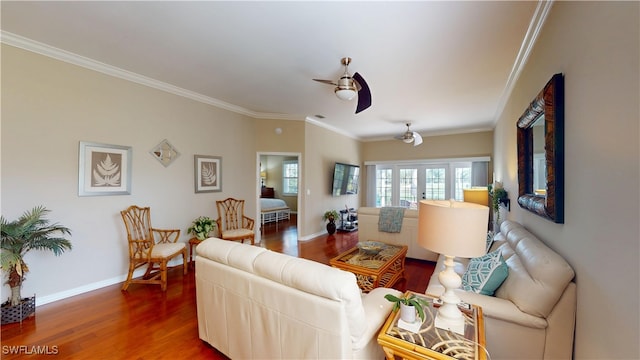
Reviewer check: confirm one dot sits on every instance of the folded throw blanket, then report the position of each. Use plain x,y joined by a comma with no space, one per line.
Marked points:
390,219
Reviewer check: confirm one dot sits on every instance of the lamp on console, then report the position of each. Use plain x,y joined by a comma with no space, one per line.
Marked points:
452,228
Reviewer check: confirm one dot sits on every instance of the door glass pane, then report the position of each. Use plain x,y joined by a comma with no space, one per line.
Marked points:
383,187
435,184
462,181
408,188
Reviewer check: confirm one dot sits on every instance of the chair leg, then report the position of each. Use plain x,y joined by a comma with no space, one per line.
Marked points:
185,262
163,275
125,286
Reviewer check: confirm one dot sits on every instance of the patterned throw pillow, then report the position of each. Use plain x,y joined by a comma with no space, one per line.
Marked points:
489,240
485,274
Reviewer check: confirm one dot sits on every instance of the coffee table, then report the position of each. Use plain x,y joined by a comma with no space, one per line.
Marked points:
373,269
430,342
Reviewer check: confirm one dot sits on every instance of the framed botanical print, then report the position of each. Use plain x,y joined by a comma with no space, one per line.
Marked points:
104,169
208,173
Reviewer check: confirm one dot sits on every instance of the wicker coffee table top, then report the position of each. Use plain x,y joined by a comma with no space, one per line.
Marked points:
374,263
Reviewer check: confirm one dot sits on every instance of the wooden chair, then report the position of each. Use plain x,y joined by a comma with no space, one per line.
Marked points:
151,247
232,223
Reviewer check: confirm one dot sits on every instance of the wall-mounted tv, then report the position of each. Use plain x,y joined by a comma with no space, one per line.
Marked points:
345,179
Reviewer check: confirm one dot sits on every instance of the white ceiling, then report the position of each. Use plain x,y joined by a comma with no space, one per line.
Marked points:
446,67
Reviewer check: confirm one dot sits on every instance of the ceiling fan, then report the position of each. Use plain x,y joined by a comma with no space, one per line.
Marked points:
347,86
410,136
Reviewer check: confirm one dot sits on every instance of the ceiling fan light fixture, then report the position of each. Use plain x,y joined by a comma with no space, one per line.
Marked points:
345,94
408,140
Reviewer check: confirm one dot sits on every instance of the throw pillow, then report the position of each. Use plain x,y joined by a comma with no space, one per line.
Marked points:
485,274
489,240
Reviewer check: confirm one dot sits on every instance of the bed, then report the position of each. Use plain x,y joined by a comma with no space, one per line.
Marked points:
273,210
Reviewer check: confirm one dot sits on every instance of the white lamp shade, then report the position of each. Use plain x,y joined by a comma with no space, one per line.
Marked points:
453,228
345,94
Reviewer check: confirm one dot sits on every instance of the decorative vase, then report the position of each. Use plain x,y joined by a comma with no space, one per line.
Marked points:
331,227
407,313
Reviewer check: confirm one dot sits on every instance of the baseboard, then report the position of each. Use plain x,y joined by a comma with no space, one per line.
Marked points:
43,300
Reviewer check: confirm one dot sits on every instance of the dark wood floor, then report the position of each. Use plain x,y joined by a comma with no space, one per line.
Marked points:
145,323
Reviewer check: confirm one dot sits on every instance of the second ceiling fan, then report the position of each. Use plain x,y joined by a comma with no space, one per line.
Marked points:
347,86
410,136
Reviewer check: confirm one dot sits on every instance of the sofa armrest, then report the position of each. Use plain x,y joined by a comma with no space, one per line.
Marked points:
502,309
376,310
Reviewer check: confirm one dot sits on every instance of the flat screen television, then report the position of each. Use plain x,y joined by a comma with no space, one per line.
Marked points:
345,179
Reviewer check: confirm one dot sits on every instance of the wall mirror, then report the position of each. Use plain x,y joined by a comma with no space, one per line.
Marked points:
541,153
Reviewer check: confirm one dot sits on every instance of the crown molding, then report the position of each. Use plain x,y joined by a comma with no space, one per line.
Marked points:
313,121
75,59
535,26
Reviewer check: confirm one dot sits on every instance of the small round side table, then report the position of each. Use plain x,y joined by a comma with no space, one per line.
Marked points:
192,242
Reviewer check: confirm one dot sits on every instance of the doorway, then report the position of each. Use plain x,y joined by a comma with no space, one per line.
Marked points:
278,178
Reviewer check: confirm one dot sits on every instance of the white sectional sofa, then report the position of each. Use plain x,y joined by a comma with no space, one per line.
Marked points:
255,303
368,230
532,315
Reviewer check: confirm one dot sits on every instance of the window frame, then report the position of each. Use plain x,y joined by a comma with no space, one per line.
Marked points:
285,178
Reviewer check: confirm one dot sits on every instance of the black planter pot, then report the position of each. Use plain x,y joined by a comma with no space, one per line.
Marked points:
12,314
331,227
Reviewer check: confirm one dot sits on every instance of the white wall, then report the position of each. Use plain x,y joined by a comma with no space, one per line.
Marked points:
49,106
596,46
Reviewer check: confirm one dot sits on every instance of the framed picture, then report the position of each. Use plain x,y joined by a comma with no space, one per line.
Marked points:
104,169
208,173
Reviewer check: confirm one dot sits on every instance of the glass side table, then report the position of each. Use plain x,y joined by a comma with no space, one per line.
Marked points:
433,343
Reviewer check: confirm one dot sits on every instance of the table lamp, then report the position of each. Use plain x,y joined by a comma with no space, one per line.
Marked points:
452,228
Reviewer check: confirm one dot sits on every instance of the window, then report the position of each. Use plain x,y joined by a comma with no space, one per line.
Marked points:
405,184
462,180
409,188
289,177
383,187
435,183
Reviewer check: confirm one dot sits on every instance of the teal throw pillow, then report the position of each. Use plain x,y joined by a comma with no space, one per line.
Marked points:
485,274
489,240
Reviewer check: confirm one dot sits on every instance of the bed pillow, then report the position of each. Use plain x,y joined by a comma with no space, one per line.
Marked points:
485,274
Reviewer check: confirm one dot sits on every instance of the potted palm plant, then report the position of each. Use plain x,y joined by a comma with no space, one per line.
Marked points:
30,232
331,216
409,304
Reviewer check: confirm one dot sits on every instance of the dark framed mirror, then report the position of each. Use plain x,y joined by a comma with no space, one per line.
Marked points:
541,153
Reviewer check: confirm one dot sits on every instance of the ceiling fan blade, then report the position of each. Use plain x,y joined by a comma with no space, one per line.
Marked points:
417,139
364,93
330,82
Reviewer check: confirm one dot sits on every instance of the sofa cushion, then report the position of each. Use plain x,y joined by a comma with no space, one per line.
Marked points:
537,277
485,274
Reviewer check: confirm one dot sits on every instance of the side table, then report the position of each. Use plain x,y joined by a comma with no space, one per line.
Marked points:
433,343
192,242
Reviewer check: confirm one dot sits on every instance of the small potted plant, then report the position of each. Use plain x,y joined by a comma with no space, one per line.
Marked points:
498,196
409,305
201,227
30,232
331,216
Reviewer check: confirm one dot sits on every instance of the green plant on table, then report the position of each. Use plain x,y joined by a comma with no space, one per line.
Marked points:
201,227
408,300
